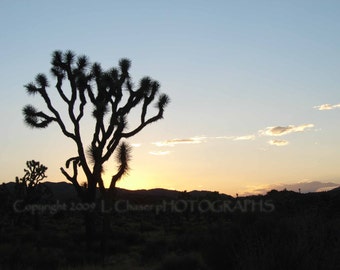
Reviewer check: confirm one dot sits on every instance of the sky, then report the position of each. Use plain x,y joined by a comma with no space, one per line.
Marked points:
254,88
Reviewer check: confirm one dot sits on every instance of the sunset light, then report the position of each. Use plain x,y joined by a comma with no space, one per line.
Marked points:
254,91
182,134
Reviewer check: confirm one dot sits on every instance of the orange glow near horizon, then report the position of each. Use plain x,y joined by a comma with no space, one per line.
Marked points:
134,180
254,104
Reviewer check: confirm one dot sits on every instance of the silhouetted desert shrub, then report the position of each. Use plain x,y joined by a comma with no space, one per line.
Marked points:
191,261
291,243
154,250
147,227
219,251
26,256
131,237
194,238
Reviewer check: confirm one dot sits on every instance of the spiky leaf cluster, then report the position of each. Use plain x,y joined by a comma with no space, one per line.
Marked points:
123,157
36,119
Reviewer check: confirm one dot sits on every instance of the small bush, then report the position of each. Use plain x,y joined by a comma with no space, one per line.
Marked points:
191,261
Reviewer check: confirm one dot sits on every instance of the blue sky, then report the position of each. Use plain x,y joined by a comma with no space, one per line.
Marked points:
234,70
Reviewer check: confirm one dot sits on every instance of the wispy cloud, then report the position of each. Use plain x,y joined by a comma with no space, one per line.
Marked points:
278,142
173,142
136,144
269,131
326,107
202,139
236,138
244,138
159,153
279,131
224,137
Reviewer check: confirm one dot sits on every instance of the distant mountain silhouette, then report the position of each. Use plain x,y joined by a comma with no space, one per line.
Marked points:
64,191
305,187
335,189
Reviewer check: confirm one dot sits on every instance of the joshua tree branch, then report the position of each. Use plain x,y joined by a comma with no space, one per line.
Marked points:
76,136
60,90
73,179
143,125
81,105
57,115
123,157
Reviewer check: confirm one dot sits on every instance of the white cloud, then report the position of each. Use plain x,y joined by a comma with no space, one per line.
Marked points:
173,142
244,138
237,138
159,153
198,140
279,131
225,137
136,144
326,107
278,142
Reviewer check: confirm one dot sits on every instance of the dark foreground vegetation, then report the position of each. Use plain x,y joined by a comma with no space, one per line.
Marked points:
161,230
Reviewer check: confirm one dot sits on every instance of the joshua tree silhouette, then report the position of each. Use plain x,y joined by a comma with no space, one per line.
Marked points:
29,188
112,96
